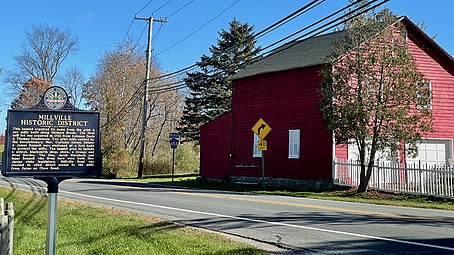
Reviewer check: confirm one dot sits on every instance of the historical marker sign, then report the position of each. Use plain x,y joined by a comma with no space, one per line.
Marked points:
52,139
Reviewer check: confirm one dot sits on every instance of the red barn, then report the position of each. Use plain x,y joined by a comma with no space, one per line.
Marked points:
282,89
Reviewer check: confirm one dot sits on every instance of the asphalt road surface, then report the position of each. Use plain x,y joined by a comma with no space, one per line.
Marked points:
284,225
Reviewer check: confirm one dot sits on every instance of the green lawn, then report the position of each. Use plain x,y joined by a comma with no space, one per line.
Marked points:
87,229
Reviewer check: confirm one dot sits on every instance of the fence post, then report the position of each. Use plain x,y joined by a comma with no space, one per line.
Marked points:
6,227
10,215
3,228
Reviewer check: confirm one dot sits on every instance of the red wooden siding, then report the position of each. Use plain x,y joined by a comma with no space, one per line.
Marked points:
215,148
441,74
285,100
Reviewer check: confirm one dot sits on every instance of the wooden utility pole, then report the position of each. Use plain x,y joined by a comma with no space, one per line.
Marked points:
150,21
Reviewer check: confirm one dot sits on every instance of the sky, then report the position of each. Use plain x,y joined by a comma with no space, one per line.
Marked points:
101,25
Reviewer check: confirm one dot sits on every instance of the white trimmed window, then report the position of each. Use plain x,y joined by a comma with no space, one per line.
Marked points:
425,93
294,143
256,153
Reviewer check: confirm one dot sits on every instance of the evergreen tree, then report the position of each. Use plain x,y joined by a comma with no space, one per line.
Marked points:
210,91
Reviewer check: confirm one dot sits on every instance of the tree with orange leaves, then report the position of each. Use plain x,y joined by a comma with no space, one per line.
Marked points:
31,93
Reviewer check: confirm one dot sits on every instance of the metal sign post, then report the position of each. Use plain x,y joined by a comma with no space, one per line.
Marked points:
261,129
262,146
51,233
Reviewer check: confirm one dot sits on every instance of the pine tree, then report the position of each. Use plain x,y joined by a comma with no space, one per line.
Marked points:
210,91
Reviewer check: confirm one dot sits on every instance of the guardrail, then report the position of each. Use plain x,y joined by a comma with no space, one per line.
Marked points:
415,178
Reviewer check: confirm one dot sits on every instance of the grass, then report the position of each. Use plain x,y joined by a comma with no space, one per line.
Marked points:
87,229
374,197
167,178
370,197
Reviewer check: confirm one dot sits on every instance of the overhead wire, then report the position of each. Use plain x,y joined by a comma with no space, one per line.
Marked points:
162,6
140,37
200,28
292,43
155,38
177,11
293,34
339,21
290,17
271,27
181,84
132,21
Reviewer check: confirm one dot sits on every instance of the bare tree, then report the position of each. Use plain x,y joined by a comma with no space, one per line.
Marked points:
44,50
117,79
73,81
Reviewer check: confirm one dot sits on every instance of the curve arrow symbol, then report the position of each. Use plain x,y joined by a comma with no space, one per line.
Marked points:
260,128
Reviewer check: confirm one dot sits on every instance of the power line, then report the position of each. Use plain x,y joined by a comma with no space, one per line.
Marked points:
181,84
292,43
175,12
162,6
287,37
198,29
155,37
289,17
271,27
132,21
140,37
318,22
143,8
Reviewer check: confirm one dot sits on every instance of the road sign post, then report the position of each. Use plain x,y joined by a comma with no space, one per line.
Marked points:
262,129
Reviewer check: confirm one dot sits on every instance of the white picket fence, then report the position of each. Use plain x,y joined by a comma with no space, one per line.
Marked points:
415,178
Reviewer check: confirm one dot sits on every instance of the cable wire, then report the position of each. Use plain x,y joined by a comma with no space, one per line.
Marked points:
198,29
132,21
293,42
271,27
162,6
181,84
175,12
289,17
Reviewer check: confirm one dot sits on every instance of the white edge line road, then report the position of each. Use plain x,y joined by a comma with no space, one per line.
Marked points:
257,221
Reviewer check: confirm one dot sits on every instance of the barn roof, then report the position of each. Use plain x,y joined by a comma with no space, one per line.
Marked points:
308,52
313,51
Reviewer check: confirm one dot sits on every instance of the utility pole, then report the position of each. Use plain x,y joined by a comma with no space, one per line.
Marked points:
150,21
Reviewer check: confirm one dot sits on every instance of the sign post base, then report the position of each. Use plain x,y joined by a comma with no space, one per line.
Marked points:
51,233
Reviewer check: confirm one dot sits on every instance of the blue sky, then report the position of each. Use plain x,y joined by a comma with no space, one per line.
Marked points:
101,25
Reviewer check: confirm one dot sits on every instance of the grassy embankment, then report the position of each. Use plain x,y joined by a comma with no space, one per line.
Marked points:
86,229
371,197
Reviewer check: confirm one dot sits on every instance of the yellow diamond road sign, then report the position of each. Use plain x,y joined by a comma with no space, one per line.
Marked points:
261,129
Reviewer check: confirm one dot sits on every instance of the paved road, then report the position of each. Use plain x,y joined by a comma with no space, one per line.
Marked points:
290,225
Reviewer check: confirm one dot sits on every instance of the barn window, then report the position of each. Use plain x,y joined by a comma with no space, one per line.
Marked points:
294,143
256,153
424,95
